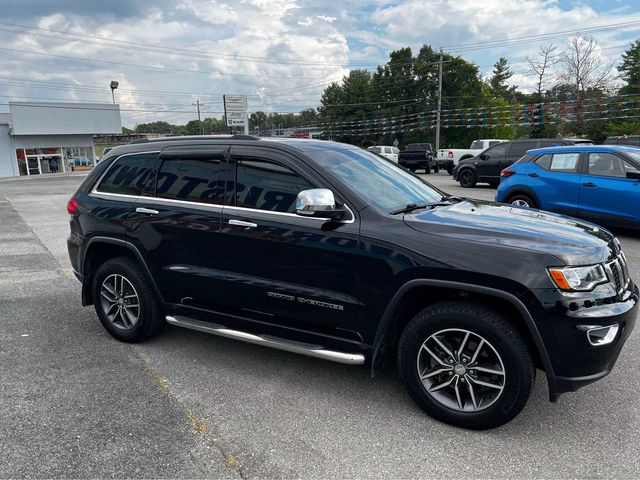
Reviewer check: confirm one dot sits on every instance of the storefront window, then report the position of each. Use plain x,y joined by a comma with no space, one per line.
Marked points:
79,158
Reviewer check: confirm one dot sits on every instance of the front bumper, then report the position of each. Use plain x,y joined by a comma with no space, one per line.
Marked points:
568,324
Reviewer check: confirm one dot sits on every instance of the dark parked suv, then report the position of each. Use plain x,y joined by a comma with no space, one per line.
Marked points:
328,250
486,167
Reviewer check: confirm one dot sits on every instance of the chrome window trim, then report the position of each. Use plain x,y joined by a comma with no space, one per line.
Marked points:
201,205
287,214
172,201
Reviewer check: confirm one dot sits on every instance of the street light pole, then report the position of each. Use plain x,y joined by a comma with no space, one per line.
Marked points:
113,85
439,103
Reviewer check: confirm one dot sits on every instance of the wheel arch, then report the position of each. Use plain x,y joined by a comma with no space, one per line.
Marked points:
464,157
101,249
522,190
410,298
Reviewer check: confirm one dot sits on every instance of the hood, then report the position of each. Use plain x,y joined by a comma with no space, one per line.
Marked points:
568,239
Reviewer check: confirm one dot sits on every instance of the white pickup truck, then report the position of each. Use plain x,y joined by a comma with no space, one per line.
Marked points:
448,158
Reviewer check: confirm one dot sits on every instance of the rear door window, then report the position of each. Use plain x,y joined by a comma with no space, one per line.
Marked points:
518,149
564,162
130,175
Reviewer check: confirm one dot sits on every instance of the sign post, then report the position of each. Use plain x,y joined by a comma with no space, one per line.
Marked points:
235,111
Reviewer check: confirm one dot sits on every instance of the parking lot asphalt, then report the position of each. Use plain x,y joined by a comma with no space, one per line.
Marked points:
76,403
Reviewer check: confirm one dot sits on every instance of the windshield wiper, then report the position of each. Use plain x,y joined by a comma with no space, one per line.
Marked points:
408,208
446,201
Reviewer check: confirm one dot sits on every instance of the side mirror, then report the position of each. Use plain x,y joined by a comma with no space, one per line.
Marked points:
484,156
633,175
319,202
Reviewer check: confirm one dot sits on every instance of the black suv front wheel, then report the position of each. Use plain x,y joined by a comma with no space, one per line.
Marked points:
125,302
466,365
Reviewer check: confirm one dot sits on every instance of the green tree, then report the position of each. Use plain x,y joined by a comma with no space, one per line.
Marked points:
630,68
498,80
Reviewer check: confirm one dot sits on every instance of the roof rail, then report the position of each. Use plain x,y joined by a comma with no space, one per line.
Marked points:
195,137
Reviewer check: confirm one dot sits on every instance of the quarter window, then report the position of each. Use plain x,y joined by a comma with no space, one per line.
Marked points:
266,185
130,175
190,180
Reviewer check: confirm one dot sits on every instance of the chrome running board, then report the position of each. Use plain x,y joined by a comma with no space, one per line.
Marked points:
310,350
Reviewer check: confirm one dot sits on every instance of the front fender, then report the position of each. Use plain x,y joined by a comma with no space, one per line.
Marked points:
488,291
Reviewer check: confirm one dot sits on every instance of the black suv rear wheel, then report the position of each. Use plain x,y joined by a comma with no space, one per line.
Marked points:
467,178
125,302
466,365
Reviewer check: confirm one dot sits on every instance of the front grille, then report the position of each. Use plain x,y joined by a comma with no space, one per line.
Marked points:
618,272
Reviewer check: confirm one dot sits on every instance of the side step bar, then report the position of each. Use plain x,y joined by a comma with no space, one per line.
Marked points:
307,349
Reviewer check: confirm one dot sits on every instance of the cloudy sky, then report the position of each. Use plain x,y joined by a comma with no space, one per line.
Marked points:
282,53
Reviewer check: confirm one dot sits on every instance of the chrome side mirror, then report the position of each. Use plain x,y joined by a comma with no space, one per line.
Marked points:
319,202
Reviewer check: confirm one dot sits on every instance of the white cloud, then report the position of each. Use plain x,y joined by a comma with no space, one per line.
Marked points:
232,37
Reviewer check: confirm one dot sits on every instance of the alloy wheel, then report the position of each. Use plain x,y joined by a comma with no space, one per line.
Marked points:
466,178
520,203
461,370
120,302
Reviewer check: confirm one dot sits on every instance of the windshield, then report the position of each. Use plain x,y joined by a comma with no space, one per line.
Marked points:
378,181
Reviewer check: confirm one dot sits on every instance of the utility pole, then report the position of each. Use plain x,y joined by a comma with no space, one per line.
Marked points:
439,103
513,106
197,104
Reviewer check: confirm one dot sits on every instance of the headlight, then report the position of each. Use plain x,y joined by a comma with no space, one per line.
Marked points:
578,278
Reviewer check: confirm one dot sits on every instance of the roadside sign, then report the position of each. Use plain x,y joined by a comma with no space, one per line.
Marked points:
396,142
235,110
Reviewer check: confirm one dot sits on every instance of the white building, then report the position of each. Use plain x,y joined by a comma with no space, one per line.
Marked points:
49,137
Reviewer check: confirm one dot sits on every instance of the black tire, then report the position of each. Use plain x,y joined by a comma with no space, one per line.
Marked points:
413,169
499,334
522,200
436,169
450,171
467,178
150,317
427,169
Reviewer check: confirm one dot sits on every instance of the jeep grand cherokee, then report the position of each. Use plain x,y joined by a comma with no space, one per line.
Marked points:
328,250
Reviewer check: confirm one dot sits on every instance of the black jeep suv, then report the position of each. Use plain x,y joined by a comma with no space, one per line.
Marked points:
330,251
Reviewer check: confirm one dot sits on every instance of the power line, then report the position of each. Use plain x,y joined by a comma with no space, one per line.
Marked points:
128,44
149,67
544,36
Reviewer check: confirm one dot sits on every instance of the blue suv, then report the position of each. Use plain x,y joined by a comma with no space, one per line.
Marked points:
600,183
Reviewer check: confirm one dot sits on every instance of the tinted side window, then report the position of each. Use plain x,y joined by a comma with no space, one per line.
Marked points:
520,148
564,162
130,175
190,180
267,185
551,143
492,143
499,151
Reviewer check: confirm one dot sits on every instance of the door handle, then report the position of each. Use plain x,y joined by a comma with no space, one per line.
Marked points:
242,223
148,211
534,175
589,184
